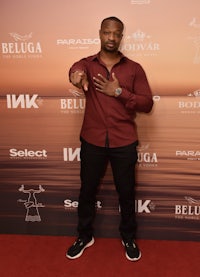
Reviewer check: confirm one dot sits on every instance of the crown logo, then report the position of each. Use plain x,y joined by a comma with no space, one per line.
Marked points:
196,93
140,2
138,36
193,23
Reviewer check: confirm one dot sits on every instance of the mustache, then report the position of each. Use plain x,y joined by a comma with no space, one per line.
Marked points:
109,42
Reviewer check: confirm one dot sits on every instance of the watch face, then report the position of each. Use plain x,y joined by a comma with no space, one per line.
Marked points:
118,91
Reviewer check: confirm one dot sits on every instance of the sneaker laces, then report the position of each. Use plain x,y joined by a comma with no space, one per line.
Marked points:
78,241
130,244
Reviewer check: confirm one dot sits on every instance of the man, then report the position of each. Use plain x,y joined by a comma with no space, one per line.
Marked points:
115,89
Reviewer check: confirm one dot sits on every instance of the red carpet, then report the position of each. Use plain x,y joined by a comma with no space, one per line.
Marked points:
27,256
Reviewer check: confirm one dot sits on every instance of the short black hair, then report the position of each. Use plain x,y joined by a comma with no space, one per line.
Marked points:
113,18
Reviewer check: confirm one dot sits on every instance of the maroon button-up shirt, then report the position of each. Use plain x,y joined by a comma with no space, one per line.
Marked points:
109,121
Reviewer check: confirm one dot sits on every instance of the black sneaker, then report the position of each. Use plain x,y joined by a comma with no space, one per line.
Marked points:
76,250
132,251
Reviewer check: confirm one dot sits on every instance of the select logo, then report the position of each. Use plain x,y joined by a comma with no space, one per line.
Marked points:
70,204
27,154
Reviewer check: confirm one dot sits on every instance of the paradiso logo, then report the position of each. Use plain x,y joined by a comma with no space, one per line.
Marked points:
190,155
78,43
21,47
73,105
23,101
146,158
190,210
141,44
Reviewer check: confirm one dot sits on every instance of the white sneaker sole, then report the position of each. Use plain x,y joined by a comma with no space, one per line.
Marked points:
90,243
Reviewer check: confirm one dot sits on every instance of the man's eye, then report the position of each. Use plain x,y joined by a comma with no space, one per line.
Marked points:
118,35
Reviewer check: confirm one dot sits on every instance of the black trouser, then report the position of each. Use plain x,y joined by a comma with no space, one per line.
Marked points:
93,162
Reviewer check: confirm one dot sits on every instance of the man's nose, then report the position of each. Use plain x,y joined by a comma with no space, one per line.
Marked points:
111,36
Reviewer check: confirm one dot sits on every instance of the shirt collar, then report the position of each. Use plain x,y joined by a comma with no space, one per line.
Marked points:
97,56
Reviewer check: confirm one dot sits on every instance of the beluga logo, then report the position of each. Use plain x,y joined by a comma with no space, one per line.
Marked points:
188,210
22,46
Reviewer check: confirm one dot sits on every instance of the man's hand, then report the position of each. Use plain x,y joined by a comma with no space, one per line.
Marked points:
79,80
105,86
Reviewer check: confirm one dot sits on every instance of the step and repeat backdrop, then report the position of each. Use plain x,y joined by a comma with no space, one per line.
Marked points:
41,115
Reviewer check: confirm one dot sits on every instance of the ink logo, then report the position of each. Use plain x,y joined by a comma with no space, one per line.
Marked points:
190,210
146,158
31,204
141,44
23,47
140,2
144,206
190,155
23,101
27,154
74,105
78,43
71,155
195,38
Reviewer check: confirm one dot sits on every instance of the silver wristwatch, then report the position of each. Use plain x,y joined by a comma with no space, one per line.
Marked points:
118,91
